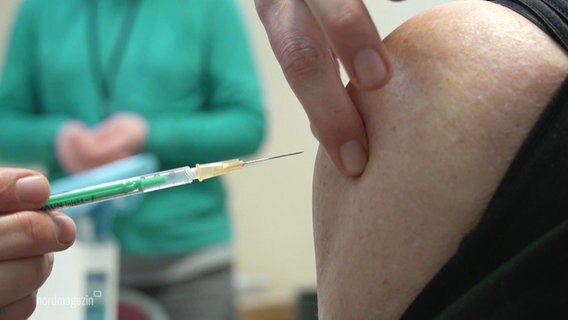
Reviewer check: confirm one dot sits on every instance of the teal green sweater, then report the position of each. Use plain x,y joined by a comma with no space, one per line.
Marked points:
187,70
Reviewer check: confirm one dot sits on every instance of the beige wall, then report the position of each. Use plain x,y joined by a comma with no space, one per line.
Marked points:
272,202
6,10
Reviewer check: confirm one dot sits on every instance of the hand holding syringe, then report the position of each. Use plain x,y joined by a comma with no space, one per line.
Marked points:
147,183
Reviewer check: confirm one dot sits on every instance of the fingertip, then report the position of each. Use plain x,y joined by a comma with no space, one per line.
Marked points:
32,190
353,157
66,229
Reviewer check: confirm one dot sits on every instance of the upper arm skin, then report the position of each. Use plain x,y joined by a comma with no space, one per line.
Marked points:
470,80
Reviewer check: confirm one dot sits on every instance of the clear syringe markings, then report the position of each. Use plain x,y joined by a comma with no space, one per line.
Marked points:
147,183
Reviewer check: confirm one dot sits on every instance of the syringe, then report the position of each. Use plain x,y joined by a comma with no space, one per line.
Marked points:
147,183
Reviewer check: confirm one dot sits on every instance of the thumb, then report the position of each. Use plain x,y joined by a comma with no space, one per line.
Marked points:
22,189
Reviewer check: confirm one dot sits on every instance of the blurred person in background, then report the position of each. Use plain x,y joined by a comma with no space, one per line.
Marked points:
89,82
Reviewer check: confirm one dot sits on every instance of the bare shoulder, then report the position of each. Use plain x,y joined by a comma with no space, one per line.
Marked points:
470,80
472,46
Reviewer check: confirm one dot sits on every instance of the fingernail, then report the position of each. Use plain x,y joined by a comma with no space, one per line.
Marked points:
65,229
369,68
354,157
32,189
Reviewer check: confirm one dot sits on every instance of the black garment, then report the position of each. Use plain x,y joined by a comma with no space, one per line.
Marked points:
514,265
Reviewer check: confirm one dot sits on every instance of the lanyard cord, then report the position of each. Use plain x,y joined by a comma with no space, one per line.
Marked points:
105,81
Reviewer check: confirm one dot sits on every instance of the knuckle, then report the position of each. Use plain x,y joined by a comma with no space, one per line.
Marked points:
265,8
8,178
262,7
348,17
40,267
6,194
300,56
44,268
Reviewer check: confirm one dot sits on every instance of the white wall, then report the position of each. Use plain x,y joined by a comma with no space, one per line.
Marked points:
272,201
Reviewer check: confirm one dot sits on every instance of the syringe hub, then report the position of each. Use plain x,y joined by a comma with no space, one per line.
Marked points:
214,169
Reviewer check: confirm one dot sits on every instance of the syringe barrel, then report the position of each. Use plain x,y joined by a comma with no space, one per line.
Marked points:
121,188
167,179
